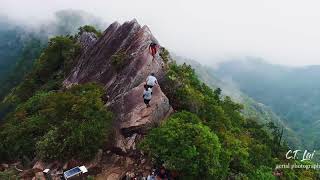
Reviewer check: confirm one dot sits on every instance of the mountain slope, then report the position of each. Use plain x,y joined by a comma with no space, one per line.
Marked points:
121,65
21,44
252,109
82,105
291,92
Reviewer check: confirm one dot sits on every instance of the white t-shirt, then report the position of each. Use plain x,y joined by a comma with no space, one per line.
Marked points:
151,80
147,94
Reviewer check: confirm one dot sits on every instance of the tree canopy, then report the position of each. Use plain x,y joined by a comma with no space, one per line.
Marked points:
57,125
185,145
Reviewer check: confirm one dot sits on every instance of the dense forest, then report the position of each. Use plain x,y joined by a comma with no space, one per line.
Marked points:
291,92
21,44
207,137
251,108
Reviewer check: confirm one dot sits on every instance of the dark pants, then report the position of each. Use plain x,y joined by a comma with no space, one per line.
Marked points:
146,101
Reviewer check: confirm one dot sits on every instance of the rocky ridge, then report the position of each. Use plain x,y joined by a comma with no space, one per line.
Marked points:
120,61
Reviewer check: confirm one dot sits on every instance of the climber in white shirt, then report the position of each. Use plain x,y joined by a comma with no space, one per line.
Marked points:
147,95
151,80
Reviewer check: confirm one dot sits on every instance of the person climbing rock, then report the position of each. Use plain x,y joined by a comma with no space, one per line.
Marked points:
147,95
153,49
151,80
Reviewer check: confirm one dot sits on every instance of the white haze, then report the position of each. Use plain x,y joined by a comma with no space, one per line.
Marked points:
280,31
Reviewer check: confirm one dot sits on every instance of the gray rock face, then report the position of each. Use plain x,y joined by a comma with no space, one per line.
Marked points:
134,118
87,39
120,60
97,63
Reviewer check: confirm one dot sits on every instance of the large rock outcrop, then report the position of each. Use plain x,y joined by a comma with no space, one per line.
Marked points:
120,60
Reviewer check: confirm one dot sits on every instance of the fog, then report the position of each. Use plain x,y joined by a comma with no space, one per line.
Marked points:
282,32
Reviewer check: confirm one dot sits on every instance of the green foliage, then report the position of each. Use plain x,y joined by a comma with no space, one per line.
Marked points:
11,45
88,28
57,125
185,145
248,150
48,72
187,92
31,50
90,178
9,174
118,60
290,92
165,55
20,47
263,173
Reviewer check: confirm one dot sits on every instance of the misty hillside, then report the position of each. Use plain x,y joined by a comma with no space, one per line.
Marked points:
252,108
81,104
292,93
21,44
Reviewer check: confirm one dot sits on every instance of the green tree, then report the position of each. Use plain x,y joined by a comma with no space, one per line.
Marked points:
185,145
88,28
48,72
57,125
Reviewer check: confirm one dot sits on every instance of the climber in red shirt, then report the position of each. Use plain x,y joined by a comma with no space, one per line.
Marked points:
153,49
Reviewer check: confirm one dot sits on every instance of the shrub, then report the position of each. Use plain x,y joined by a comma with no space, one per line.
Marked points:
263,173
185,145
165,55
60,125
48,71
9,174
88,28
118,60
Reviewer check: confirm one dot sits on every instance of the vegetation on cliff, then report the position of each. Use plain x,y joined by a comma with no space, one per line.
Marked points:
247,150
184,144
57,125
207,138
46,121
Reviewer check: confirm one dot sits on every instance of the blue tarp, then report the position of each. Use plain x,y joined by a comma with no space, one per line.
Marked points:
72,172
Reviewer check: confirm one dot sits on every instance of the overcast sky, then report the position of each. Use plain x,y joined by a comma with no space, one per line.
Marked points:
280,31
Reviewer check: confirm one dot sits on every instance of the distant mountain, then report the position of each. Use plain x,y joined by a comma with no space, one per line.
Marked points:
252,108
292,92
84,102
21,44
